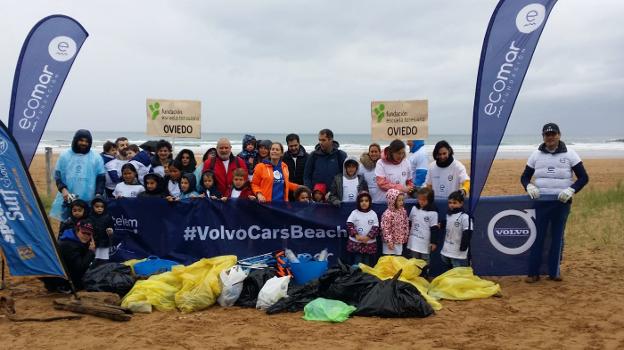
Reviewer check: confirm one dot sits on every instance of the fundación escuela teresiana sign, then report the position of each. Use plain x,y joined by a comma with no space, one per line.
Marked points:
175,118
404,120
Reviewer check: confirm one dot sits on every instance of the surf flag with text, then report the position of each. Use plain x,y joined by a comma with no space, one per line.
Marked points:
510,40
26,238
43,65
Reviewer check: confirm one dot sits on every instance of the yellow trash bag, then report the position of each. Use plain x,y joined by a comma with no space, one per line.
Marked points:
189,288
460,283
387,266
200,282
151,292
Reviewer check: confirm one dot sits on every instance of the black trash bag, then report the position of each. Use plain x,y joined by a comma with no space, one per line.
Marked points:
252,285
109,277
345,283
298,297
394,298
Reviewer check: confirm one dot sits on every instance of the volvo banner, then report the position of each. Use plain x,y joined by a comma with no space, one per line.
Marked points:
44,62
510,40
26,240
188,230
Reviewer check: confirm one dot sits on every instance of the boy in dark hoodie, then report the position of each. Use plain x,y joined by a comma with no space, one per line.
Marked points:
76,249
102,229
347,186
78,210
209,188
241,188
154,186
249,153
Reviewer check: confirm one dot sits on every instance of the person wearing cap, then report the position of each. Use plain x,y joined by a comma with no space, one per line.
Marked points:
552,166
77,250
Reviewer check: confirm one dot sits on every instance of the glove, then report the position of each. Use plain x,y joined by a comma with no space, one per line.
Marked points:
566,194
465,240
533,191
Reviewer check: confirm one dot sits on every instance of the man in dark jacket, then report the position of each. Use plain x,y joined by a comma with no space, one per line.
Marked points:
325,162
76,249
295,158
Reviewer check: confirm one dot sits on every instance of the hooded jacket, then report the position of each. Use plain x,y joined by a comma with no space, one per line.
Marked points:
394,222
161,187
192,185
81,134
100,223
296,164
100,180
321,167
247,155
71,221
336,189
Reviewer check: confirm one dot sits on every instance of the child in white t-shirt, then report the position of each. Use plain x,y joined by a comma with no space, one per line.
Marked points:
425,226
130,186
363,227
457,233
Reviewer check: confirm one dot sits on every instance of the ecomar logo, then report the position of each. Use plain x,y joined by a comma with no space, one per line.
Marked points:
512,231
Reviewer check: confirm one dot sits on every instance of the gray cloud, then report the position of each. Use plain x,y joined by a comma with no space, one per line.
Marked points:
299,66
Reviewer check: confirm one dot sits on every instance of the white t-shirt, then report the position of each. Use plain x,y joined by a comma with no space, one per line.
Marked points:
394,173
174,188
418,160
113,165
235,193
455,226
369,175
420,234
127,191
363,223
445,181
141,169
553,172
159,169
349,189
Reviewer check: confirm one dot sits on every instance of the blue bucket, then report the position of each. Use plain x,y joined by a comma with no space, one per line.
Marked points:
305,271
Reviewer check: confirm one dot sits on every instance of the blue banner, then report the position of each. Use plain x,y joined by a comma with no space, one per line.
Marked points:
510,40
188,230
44,62
26,240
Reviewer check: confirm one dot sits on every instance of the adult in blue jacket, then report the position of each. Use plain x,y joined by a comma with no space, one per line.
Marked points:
79,171
325,162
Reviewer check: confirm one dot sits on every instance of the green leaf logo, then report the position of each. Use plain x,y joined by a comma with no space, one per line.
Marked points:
154,109
379,111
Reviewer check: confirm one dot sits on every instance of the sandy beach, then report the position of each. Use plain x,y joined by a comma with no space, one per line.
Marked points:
585,311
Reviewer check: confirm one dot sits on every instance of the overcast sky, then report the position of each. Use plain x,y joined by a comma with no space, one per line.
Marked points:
281,66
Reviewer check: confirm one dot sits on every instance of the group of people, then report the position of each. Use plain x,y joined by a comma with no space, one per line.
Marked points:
263,171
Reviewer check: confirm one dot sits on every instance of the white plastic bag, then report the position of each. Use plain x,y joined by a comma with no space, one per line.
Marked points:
272,291
231,285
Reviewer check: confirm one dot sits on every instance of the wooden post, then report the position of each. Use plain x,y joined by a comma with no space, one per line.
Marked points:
48,161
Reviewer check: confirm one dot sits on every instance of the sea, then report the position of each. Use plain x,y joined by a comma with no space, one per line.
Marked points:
512,146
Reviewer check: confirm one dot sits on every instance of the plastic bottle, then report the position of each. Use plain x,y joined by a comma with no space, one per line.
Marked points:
322,256
291,256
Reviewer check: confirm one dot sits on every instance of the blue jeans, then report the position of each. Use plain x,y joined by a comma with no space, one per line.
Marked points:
554,217
357,258
452,262
417,255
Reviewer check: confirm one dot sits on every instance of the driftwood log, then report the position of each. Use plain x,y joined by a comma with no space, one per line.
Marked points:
7,307
112,312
